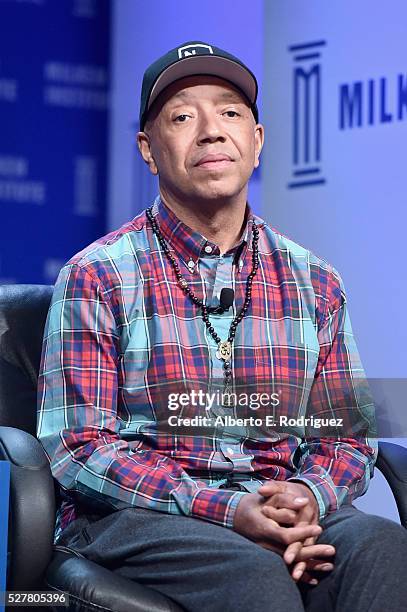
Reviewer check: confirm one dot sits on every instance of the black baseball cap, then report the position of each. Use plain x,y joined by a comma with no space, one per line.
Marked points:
192,58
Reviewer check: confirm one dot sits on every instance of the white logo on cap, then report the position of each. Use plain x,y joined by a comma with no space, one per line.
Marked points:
189,50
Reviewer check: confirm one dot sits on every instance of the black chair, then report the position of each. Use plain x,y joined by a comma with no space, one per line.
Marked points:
32,562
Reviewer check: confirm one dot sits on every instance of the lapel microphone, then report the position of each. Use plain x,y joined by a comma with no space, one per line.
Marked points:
227,296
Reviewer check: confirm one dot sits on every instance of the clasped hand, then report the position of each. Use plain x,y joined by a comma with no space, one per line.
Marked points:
283,517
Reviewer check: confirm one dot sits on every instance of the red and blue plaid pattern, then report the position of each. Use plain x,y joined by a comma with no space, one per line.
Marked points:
119,327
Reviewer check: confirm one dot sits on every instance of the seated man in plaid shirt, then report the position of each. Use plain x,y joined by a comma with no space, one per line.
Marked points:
232,516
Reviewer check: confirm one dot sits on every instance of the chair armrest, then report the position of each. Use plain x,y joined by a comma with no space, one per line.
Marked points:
32,508
392,462
93,587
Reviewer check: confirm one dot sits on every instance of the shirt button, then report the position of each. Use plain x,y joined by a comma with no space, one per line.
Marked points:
191,264
208,249
230,451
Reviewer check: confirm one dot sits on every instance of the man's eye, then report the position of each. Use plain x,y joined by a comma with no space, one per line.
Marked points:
231,113
182,118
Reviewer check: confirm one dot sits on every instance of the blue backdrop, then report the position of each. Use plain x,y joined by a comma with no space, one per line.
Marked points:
335,82
54,83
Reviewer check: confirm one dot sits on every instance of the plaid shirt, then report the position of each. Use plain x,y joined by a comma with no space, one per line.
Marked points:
119,326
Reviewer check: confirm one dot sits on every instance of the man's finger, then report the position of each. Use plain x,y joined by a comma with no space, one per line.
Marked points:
293,549
311,564
281,515
307,554
286,500
308,578
291,552
317,565
316,551
298,570
287,535
298,551
271,487
300,567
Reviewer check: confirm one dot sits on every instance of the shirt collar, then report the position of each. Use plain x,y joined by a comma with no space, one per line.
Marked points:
190,245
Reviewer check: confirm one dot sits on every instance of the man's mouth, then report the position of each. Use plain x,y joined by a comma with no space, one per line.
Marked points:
214,160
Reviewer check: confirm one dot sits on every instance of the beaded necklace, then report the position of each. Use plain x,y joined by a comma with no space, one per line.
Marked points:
224,351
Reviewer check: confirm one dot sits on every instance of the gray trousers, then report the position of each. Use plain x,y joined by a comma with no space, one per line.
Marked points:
204,567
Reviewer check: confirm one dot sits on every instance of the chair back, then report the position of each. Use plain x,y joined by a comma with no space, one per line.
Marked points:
23,311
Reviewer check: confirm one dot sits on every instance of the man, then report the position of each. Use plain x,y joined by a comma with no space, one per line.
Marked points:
198,288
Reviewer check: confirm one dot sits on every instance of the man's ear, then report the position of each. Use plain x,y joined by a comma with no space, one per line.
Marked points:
144,145
258,143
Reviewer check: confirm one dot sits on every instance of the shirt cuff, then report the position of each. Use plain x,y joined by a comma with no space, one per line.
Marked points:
216,506
326,498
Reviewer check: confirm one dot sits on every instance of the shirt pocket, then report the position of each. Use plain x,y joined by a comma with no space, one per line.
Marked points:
288,346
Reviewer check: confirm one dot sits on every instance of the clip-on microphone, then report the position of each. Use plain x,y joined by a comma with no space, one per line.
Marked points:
227,296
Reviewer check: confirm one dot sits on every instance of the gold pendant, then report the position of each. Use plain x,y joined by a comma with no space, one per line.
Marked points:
224,350
227,399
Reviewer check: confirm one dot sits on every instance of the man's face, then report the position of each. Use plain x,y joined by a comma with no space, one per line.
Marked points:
202,140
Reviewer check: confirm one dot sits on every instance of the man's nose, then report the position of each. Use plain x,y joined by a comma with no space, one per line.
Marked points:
210,128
